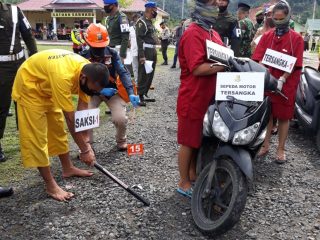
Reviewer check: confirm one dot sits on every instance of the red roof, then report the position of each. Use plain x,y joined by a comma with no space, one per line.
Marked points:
43,5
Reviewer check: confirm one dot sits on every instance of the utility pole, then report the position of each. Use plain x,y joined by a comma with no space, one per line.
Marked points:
314,9
182,14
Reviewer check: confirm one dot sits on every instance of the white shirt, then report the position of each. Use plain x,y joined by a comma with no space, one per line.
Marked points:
133,41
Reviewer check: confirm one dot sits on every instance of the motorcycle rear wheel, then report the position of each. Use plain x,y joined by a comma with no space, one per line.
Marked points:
221,209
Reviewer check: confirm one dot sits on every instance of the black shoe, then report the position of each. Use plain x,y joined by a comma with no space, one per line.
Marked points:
173,66
2,156
147,99
108,112
164,63
5,192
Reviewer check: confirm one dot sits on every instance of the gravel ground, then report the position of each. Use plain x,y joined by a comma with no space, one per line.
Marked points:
284,205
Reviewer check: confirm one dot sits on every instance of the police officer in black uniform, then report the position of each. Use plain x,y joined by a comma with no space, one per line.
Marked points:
227,27
146,41
13,26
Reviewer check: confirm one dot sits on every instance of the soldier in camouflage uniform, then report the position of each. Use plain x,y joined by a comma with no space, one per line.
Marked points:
259,20
118,27
247,30
146,41
227,27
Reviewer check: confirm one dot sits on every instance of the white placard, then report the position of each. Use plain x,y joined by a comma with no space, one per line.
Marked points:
279,60
216,52
148,66
86,119
245,86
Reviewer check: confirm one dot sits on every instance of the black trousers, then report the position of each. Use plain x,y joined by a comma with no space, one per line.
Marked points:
144,79
164,48
8,72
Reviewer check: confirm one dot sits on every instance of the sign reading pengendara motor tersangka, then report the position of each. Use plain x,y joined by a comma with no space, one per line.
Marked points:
279,60
86,119
245,86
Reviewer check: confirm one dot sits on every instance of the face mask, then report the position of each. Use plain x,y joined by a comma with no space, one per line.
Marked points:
222,9
281,26
154,14
108,9
259,21
76,26
86,25
84,88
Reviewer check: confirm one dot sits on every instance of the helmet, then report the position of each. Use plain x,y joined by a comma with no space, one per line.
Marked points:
97,35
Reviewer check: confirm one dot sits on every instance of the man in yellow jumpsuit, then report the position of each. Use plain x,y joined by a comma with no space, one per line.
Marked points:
43,90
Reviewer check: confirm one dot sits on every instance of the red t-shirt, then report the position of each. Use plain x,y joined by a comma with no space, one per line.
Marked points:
195,93
292,44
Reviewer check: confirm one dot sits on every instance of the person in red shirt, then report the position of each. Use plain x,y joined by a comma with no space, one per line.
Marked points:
286,41
197,89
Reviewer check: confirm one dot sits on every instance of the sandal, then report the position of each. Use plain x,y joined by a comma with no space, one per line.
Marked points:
185,193
281,159
263,151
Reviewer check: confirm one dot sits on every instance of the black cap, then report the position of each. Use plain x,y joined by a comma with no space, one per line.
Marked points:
243,6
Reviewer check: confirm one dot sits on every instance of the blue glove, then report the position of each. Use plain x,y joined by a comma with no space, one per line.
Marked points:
108,92
135,100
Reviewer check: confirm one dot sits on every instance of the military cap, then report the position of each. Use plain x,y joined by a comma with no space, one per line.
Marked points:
110,1
243,6
150,5
260,12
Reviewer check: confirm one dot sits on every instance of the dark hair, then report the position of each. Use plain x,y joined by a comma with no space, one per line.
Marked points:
97,72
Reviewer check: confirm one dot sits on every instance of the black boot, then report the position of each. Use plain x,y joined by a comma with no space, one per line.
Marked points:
147,99
2,156
5,192
142,101
173,66
165,63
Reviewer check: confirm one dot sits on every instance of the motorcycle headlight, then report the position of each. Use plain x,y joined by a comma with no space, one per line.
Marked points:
206,126
245,136
219,128
261,138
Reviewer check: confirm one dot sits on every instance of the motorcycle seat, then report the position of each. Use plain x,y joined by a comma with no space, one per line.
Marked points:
312,77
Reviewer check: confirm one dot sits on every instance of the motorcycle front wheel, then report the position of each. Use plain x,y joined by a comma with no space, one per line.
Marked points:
218,210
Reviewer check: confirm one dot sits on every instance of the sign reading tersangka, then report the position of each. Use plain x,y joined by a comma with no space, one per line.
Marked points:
72,14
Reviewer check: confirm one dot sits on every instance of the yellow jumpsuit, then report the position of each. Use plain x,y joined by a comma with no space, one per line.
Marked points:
43,89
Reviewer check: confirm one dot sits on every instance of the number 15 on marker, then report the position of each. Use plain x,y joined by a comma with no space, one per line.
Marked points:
135,149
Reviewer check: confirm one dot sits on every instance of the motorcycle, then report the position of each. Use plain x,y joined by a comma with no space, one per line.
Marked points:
233,132
307,105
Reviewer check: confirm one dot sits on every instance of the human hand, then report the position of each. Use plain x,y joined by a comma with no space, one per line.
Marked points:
88,157
108,92
142,60
135,100
281,81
